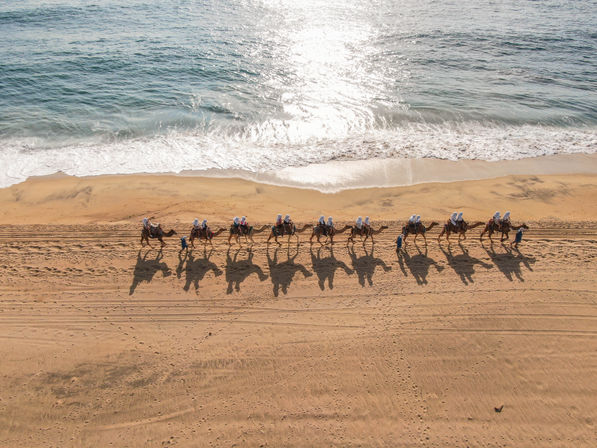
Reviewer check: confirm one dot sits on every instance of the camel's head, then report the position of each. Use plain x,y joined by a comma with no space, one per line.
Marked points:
524,226
383,227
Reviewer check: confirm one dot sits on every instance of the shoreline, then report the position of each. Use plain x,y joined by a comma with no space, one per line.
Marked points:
341,175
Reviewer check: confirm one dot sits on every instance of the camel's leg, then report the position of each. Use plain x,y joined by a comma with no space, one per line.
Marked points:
162,241
424,238
438,237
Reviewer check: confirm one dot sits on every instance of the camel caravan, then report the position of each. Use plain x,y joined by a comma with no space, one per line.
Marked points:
324,231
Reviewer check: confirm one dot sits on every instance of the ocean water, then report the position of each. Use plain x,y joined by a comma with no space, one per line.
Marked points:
248,86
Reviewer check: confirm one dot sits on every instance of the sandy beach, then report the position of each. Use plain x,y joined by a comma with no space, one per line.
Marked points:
107,344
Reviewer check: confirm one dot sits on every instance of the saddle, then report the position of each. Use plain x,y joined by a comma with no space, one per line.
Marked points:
278,230
154,230
491,224
323,228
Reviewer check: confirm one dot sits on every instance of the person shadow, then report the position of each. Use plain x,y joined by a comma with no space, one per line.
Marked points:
282,272
237,271
463,264
365,265
197,268
325,267
511,262
145,269
418,265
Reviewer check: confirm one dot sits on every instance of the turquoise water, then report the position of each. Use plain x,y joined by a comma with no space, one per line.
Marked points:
131,86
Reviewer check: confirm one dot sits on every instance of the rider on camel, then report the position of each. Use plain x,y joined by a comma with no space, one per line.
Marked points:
330,224
495,222
279,226
367,224
359,223
244,225
459,220
196,223
417,222
453,218
506,218
322,226
411,222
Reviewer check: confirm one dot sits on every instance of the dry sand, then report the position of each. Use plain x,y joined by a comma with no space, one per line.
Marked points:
103,344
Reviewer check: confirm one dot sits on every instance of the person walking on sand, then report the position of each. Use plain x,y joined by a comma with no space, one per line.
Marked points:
517,238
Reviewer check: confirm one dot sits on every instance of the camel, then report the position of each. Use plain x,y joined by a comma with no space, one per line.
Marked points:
460,229
155,231
505,226
203,234
318,233
238,231
417,229
366,231
287,228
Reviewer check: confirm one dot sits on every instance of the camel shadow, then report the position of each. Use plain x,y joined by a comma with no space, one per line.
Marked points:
418,264
326,267
237,271
282,272
510,263
197,268
463,264
365,265
146,269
